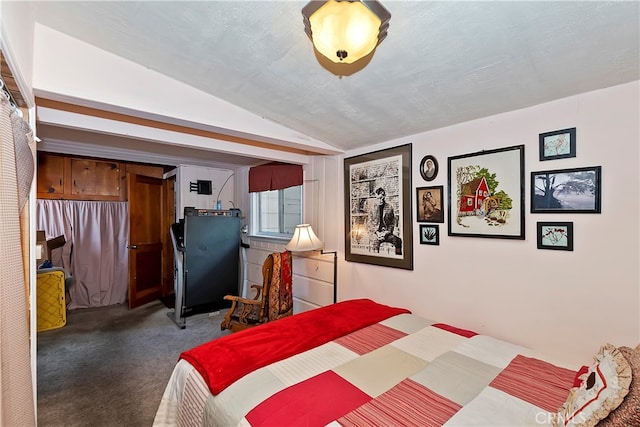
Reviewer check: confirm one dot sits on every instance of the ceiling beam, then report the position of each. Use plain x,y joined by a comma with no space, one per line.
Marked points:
94,112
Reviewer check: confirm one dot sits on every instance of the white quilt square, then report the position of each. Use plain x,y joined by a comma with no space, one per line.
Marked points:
493,407
389,364
489,350
457,377
310,363
429,343
407,323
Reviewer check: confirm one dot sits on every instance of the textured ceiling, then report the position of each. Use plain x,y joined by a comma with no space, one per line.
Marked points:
442,62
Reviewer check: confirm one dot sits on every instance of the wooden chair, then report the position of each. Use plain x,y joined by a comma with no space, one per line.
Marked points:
272,300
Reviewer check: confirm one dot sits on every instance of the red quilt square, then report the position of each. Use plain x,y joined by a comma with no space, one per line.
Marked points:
314,402
535,381
370,338
407,404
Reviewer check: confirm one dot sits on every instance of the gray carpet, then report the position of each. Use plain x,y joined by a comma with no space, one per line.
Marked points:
109,365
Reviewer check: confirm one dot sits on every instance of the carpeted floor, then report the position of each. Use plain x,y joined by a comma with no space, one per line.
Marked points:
108,366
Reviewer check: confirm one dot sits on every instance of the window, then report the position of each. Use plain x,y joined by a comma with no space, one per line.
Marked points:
277,211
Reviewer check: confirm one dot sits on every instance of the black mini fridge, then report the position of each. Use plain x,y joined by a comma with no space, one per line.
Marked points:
207,252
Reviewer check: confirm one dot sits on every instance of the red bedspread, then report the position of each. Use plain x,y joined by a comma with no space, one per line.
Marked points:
227,359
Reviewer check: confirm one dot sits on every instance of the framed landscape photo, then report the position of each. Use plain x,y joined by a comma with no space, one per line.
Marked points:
555,235
558,144
486,194
429,168
429,204
575,190
429,234
378,219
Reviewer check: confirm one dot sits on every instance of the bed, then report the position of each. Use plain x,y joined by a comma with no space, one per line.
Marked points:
358,363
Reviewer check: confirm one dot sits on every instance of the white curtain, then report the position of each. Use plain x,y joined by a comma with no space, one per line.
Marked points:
96,252
16,390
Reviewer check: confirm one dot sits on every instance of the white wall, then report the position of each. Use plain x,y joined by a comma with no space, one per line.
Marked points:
186,174
565,304
16,42
86,75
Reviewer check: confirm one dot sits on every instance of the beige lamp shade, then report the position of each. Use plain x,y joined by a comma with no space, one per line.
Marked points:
345,31
304,239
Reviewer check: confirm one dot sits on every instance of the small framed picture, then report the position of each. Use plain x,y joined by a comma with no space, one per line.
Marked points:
555,235
558,144
566,190
429,234
429,204
429,168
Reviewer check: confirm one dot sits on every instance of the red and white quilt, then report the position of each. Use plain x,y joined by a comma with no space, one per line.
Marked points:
403,370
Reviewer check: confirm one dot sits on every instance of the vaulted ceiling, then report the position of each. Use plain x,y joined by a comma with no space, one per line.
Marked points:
443,62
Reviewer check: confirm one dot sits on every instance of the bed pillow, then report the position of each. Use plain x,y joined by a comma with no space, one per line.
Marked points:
602,390
628,413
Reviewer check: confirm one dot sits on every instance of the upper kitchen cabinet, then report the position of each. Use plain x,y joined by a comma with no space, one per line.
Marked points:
65,177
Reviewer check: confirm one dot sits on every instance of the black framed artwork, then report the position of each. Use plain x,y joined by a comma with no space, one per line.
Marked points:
378,219
429,234
429,168
555,235
486,194
559,144
574,190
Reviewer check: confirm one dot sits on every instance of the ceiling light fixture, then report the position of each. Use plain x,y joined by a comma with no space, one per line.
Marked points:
345,31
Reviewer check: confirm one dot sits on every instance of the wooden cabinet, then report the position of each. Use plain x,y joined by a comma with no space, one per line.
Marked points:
95,178
64,177
50,182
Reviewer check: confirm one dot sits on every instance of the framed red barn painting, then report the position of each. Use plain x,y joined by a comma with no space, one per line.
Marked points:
486,194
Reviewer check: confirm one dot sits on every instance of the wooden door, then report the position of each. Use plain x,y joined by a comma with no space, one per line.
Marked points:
145,238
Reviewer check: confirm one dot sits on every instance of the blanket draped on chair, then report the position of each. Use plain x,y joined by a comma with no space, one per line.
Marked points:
281,289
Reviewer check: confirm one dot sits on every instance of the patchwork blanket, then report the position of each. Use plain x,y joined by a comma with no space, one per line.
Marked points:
400,370
226,359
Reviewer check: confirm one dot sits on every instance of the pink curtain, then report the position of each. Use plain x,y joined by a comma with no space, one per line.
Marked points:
96,252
